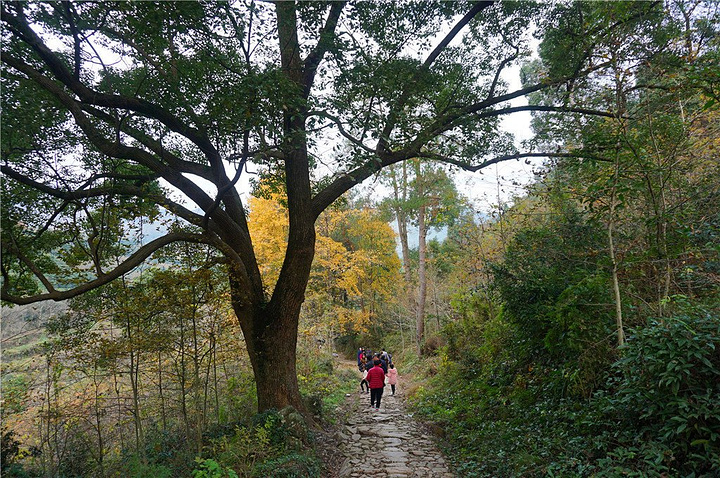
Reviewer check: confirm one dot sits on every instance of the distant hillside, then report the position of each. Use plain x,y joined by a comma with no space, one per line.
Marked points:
21,323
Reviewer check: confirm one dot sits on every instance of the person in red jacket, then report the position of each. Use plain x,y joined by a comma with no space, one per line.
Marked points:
376,378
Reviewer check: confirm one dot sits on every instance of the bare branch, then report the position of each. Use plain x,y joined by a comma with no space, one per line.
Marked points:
500,68
124,190
474,108
76,194
152,144
31,265
557,109
477,8
346,181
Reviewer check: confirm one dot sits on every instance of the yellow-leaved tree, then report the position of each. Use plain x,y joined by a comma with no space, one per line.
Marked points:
355,274
268,225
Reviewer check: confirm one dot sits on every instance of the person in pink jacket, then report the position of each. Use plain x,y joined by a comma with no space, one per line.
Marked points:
376,379
392,377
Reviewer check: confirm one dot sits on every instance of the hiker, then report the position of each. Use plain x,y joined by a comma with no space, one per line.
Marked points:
360,361
364,385
385,356
376,379
383,363
392,377
369,364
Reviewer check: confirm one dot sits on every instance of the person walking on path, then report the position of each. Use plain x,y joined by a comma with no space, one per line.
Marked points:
383,363
363,382
392,377
360,357
369,364
376,378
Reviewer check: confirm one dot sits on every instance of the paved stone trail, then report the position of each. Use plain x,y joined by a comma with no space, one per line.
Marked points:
401,448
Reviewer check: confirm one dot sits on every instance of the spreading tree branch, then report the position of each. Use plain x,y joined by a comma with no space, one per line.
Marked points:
394,114
123,268
507,157
326,40
19,24
227,227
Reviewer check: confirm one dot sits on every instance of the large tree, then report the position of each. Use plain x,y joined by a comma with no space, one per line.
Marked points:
114,111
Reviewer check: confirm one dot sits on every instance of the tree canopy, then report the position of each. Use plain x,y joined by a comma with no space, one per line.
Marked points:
115,111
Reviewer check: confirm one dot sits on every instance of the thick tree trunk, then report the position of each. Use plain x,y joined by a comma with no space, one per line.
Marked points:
271,328
274,364
271,343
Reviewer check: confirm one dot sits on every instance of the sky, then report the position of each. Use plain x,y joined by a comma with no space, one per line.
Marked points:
499,183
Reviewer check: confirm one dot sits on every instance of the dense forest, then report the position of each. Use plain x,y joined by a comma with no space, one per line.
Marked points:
207,207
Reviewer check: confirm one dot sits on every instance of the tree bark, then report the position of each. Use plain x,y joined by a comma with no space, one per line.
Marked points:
422,280
620,106
270,328
271,342
400,196
615,281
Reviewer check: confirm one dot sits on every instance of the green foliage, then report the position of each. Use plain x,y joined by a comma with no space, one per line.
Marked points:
575,31
270,442
10,448
209,468
14,391
323,387
136,467
550,283
294,465
655,413
662,398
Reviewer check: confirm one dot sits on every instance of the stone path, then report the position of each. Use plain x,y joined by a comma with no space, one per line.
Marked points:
399,445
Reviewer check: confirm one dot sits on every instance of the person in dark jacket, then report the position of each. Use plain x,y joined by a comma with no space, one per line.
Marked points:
369,364
376,379
360,357
383,363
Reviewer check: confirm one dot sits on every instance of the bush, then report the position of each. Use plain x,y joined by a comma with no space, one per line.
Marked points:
508,414
137,468
211,469
294,465
665,392
431,345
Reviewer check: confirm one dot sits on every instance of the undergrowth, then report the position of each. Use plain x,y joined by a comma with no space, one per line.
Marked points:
655,413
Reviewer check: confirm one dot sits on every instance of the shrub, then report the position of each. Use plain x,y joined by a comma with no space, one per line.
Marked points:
431,345
211,469
138,468
294,465
665,391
